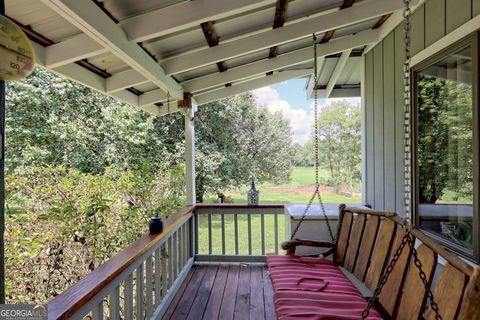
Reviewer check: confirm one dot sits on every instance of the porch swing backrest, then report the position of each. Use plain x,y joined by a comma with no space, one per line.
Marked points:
365,243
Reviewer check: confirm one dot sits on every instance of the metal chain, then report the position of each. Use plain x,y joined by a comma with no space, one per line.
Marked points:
407,12
317,156
385,276
407,239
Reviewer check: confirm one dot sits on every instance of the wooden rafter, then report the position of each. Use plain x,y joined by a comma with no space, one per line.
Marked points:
278,22
212,40
381,21
327,36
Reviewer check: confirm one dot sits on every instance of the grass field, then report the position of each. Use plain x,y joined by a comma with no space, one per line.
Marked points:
298,190
256,234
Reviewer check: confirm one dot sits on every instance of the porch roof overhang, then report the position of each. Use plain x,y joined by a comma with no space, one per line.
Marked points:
144,51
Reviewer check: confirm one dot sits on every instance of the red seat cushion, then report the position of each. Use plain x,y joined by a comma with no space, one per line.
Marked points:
314,288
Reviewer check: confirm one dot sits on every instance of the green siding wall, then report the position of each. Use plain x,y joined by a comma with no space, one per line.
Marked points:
384,106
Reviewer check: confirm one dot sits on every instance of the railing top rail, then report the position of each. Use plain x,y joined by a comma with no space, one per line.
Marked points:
70,301
239,206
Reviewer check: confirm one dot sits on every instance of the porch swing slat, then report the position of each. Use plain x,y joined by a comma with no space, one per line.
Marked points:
380,253
414,295
448,292
354,243
389,298
343,237
366,247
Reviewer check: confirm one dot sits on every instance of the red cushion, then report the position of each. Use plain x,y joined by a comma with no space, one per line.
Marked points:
320,306
313,289
287,271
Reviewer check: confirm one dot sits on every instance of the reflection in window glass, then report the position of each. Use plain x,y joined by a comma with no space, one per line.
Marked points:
445,155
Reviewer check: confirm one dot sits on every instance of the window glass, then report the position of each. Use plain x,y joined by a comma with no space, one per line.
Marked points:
444,146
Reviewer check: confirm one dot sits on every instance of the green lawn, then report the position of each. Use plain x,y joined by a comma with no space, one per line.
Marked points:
256,234
298,190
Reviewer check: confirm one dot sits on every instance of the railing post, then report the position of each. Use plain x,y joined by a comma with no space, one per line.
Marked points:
190,155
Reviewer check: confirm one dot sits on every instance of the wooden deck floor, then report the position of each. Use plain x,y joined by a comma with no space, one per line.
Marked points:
224,292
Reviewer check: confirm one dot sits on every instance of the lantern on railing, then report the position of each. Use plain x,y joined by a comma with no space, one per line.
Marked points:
252,195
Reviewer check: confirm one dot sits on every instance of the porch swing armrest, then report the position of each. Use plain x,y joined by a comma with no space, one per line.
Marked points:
291,246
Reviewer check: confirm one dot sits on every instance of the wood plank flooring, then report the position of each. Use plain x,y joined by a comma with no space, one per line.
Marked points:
242,292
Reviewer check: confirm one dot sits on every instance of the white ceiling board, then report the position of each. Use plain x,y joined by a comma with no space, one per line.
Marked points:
177,43
124,9
40,18
327,70
109,62
192,74
351,72
249,58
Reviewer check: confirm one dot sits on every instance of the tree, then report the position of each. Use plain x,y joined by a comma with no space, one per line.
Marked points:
238,142
444,138
339,133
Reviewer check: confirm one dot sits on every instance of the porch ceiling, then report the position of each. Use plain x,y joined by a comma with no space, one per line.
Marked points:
138,50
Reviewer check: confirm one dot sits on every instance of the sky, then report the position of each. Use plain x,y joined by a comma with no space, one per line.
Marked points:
290,98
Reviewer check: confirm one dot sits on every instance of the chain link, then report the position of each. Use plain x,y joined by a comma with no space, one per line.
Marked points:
317,155
407,238
407,12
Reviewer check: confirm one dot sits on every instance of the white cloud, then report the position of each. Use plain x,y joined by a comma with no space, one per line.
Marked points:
301,121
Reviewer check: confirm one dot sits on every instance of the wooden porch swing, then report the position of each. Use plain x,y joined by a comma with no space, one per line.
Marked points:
393,259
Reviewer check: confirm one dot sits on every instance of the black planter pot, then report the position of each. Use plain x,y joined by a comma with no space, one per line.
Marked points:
156,225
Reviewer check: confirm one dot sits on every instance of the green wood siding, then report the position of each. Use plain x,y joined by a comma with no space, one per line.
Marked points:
378,126
384,104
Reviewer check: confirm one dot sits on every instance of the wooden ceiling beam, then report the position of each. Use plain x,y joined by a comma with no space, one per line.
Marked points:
285,60
266,39
212,40
278,22
89,18
311,85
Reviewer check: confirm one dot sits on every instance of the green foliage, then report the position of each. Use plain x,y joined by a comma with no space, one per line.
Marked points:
85,173
238,142
444,139
65,223
339,130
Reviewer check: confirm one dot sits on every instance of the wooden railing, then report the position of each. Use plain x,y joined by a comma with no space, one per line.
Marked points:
238,233
137,283
141,281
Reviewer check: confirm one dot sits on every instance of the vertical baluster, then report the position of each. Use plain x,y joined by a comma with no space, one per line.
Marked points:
164,271
275,230
195,234
235,225
175,255
186,241
262,230
223,234
209,233
114,304
249,227
180,247
97,313
170,261
149,284
128,297
158,277
139,290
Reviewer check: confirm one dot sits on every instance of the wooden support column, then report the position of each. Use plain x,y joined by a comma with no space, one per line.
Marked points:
2,181
190,154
